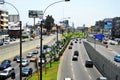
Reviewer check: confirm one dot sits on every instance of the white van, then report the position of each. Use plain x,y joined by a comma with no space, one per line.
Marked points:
101,78
7,72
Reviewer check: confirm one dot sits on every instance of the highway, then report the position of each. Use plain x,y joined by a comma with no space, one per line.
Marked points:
76,69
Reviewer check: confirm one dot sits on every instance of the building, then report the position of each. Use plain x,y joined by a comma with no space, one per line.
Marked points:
116,27
3,22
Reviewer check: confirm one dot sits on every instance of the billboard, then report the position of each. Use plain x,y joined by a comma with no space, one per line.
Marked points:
35,14
2,1
108,23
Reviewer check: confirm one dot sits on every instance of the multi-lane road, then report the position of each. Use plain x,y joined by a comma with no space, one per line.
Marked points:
76,69
9,51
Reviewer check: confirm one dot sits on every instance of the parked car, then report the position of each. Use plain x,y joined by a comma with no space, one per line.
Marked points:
75,58
16,58
5,64
117,58
6,73
29,54
101,78
76,53
27,71
88,63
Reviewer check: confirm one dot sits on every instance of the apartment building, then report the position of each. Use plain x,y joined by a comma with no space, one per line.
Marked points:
3,22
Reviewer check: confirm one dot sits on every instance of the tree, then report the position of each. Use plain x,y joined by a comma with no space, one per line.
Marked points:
49,23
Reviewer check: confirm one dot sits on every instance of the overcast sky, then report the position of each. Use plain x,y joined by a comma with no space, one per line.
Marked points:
80,11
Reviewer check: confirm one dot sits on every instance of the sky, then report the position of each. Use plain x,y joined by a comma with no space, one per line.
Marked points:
78,12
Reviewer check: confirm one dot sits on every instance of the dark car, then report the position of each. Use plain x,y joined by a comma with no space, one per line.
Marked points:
75,58
16,58
45,46
88,63
5,64
6,61
35,52
27,71
71,43
70,47
76,53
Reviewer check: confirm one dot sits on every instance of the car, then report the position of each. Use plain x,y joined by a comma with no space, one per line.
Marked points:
117,58
33,58
35,52
75,41
6,73
68,78
7,42
27,71
70,47
25,62
75,58
16,58
101,78
23,40
105,42
1,42
71,43
29,54
76,53
45,46
31,39
88,63
5,64
38,47
5,61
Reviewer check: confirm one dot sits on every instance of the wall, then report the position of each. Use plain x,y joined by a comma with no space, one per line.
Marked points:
105,66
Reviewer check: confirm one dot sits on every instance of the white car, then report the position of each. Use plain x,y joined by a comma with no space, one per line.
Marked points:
7,72
101,78
67,79
25,62
7,42
29,55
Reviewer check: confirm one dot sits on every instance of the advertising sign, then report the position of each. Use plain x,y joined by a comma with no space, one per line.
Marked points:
99,36
2,1
108,23
35,14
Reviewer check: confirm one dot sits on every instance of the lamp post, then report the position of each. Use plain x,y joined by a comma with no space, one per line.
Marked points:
20,24
41,33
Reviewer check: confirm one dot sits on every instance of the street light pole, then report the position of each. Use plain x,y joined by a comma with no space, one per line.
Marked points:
41,25
20,24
